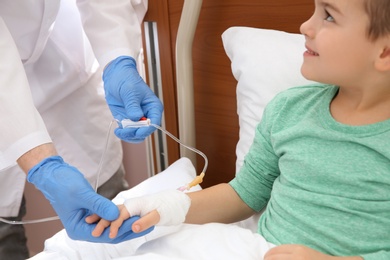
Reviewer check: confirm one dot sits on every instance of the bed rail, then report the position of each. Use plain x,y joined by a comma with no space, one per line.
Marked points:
184,75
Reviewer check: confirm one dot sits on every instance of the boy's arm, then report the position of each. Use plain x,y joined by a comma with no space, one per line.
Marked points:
219,203
303,252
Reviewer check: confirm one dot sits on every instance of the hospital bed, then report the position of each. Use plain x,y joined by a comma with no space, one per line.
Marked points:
243,53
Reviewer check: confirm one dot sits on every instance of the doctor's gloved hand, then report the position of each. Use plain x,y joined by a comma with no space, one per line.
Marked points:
128,97
165,208
73,199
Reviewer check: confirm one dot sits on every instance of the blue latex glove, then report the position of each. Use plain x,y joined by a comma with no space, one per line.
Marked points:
73,199
129,97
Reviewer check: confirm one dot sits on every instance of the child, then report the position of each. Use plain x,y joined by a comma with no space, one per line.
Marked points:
320,160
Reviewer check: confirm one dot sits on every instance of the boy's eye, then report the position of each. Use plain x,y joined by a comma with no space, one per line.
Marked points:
328,17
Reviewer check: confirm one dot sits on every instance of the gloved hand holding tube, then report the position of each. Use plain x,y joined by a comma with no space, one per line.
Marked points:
73,199
128,97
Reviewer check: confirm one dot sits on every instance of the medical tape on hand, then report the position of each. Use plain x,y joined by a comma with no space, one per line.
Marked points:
172,206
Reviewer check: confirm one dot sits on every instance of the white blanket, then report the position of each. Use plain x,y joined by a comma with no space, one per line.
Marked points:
210,241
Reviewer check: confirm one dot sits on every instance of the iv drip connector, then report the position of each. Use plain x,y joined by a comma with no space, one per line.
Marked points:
127,123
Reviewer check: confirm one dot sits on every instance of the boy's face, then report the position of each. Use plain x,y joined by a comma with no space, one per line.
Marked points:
338,49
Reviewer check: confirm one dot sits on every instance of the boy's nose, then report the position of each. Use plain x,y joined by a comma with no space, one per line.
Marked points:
307,29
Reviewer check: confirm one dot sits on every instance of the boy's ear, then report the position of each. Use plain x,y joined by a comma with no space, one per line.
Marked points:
383,61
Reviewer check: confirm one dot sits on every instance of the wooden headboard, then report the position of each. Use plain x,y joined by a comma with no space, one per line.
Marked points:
216,118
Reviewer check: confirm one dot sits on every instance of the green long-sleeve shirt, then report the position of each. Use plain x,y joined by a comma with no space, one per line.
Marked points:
327,184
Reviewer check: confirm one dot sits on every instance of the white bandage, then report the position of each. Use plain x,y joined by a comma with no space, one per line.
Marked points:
172,205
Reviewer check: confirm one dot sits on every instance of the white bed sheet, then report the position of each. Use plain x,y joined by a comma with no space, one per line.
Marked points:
210,241
185,242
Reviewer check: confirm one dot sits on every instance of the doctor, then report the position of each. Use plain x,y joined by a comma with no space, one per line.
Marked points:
53,115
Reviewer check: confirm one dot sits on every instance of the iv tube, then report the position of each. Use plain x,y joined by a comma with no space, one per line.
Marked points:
99,169
186,146
23,222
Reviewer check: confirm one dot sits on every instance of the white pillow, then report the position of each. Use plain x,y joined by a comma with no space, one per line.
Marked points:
264,62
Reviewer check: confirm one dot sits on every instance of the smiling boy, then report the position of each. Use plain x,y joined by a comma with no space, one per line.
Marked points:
320,160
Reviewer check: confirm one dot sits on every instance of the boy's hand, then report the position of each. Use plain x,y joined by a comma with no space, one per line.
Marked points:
147,221
164,208
138,226
126,233
291,252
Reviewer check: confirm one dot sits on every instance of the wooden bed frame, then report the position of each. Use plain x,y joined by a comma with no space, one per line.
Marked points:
216,121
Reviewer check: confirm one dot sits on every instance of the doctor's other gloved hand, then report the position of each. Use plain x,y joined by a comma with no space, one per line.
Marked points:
73,199
165,208
128,97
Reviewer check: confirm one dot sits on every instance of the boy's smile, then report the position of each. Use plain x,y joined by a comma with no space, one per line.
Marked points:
309,52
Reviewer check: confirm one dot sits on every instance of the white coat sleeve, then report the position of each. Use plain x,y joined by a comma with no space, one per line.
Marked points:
113,27
21,126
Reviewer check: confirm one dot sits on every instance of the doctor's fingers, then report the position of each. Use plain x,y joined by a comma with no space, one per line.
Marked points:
149,220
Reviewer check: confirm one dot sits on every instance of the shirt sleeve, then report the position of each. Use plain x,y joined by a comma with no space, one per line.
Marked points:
253,183
21,126
113,27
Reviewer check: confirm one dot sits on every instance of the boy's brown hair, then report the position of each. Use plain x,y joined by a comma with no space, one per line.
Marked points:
379,16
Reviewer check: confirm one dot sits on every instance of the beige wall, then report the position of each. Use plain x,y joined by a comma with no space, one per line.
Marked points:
135,163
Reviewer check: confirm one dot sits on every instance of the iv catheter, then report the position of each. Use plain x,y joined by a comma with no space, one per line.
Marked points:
126,123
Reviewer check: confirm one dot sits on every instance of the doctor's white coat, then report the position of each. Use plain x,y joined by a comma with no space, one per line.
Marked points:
52,52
